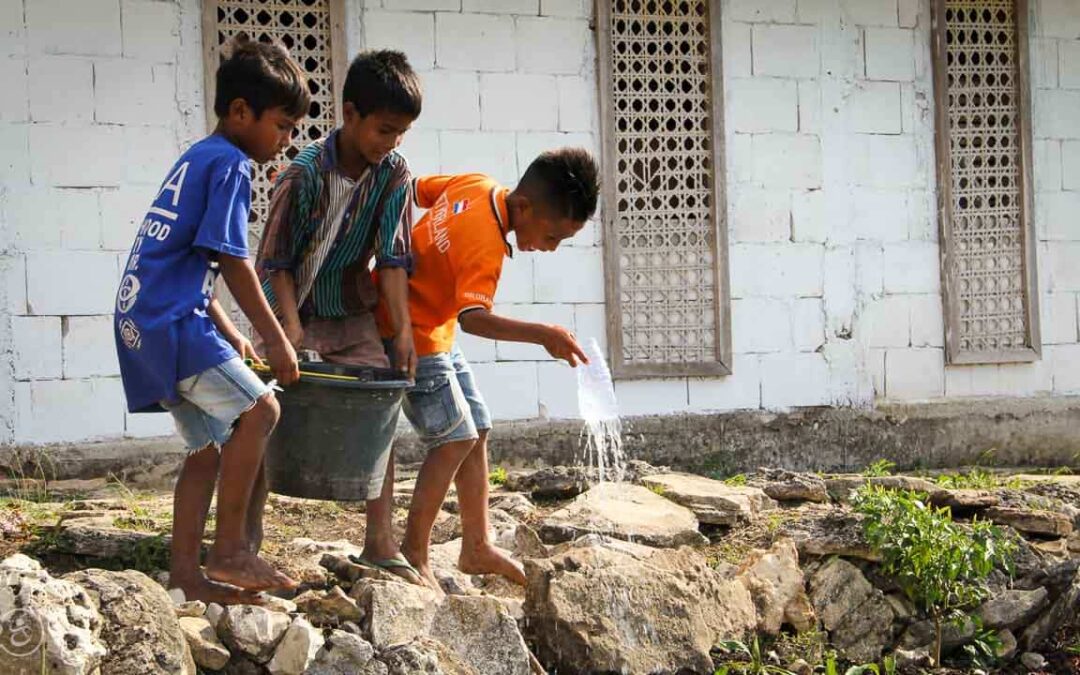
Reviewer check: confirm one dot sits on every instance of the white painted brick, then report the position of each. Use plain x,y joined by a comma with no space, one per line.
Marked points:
759,214
1057,114
793,380
149,152
808,221
922,215
763,104
15,105
420,148
1070,165
908,13
49,218
875,108
808,324
577,104
782,160
1069,64
738,61
71,410
36,345
740,158
561,315
451,100
1058,215
638,398
557,383
869,12
927,321
590,322
557,46
875,363
566,8
410,32
850,380
1044,66
89,347
776,270
13,280
839,289
869,268
914,374
151,30
787,51
61,88
15,158
487,152
476,349
885,322
84,27
474,42
980,380
516,281
127,91
890,54
145,425
101,155
1058,18
1059,318
570,275
739,391
122,212
509,389
516,102
71,282
1048,168
886,161
809,107
760,325
1065,362
1060,259
912,267
1027,379
760,10
502,6
423,5
12,28
878,215
531,145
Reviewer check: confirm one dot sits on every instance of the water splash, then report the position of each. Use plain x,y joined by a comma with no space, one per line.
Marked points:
601,437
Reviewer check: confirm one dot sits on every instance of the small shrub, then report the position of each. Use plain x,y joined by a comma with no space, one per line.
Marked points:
978,479
656,488
882,467
497,476
738,480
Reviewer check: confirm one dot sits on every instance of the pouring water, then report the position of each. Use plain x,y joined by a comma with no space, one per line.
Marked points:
602,433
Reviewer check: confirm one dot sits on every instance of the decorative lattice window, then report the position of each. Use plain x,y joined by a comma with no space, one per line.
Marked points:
313,32
665,242
984,179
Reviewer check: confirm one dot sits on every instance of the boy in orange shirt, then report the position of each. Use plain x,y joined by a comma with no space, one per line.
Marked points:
458,248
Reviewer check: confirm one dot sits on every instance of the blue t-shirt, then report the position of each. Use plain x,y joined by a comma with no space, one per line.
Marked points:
163,333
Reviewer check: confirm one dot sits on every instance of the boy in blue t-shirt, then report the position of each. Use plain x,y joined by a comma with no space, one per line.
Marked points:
177,348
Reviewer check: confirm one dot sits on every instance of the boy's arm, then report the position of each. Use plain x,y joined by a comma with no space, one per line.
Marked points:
558,341
230,332
393,259
243,283
394,288
284,284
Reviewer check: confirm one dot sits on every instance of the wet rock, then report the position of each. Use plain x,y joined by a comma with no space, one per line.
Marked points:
39,612
252,631
513,503
557,482
712,501
190,608
139,624
346,654
597,608
1012,609
964,499
1031,521
206,648
776,584
395,612
424,656
328,608
856,615
1065,606
297,649
841,487
789,486
528,544
483,634
1033,660
623,511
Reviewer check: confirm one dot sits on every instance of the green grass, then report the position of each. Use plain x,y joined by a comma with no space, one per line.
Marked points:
497,476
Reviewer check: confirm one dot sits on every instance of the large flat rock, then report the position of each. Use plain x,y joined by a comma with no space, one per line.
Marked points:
712,501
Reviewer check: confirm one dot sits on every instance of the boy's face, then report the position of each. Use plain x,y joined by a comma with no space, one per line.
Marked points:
537,230
262,137
374,135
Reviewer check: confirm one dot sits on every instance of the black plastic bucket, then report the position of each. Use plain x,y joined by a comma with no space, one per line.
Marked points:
333,433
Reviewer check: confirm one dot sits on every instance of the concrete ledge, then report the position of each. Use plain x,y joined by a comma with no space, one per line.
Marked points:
1004,432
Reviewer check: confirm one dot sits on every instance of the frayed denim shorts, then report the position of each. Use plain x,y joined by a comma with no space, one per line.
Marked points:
445,405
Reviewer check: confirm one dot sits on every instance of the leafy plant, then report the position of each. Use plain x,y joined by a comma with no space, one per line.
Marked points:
738,480
977,479
941,566
984,647
754,663
497,476
882,467
657,489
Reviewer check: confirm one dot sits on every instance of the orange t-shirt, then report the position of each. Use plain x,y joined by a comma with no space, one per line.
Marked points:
458,249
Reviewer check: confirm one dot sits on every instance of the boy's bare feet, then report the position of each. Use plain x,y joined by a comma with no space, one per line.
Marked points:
198,587
486,559
246,570
426,574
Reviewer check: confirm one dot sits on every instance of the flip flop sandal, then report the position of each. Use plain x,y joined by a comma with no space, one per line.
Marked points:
397,562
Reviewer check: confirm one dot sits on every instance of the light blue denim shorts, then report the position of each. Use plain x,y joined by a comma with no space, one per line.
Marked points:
445,404
211,402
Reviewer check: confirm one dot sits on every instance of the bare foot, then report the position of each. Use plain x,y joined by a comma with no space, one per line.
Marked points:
199,587
247,571
486,559
426,574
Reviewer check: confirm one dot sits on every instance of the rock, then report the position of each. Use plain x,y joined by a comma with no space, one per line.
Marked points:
558,482
346,654
394,611
276,604
352,627
213,614
1073,542
789,486
82,538
903,609
513,503
914,658
964,499
38,611
242,665
177,596
528,544
424,656
841,487
856,615
776,584
623,511
922,634
328,608
1065,607
192,608
1007,650
1058,548
1033,661
800,667
139,624
596,608
1031,521
206,648
483,634
252,631
1012,609
297,649
825,531
712,501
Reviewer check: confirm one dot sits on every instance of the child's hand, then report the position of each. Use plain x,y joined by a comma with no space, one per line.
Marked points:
294,331
282,358
562,344
405,353
244,348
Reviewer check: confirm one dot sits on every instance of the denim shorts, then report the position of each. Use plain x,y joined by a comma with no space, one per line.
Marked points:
445,404
211,402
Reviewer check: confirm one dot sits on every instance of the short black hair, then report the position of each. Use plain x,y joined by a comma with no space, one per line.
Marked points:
263,75
382,81
566,181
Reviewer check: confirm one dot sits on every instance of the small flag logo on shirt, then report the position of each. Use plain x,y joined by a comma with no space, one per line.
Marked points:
460,206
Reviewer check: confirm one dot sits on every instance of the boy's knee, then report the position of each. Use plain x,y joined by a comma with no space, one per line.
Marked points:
265,413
